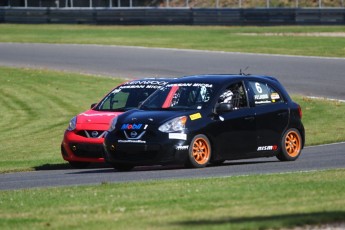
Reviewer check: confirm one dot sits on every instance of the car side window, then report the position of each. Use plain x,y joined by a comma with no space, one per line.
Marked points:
264,94
234,94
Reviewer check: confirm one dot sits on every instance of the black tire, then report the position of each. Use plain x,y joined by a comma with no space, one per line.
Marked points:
291,145
122,167
79,164
200,151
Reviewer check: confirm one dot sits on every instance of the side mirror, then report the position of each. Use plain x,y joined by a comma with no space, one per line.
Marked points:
93,105
224,107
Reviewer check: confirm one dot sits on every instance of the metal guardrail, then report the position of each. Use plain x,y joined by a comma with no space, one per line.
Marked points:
173,3
173,16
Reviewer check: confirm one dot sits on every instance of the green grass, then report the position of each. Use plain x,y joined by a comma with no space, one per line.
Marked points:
323,120
36,106
190,37
240,202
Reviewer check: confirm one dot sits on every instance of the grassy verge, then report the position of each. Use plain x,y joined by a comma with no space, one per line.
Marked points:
236,39
36,106
242,202
322,119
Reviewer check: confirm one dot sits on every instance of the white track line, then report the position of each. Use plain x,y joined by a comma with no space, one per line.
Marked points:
325,98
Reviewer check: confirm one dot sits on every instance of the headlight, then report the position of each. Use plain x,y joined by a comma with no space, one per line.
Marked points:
72,124
174,125
112,124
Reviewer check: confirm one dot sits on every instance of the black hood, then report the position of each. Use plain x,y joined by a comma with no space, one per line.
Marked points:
155,117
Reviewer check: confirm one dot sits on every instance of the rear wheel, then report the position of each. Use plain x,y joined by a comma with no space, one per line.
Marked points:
291,145
199,151
79,164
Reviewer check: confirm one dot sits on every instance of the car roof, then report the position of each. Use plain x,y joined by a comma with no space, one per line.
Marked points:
223,78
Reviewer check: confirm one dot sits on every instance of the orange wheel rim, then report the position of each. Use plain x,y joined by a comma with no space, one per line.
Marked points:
292,144
201,151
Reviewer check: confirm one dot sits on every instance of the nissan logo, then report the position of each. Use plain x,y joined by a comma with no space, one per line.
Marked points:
94,134
134,134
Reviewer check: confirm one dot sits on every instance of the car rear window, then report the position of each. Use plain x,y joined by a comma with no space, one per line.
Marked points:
264,93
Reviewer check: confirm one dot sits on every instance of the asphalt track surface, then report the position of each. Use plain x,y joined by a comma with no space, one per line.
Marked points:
311,76
324,77
312,159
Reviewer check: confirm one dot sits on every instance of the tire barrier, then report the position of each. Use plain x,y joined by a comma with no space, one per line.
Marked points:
173,16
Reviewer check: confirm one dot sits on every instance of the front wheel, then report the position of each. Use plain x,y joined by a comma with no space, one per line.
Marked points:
291,145
199,152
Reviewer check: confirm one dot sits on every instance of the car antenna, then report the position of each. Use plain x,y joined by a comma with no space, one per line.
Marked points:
242,72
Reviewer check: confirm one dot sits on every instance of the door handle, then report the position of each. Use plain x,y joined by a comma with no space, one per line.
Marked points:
249,118
282,114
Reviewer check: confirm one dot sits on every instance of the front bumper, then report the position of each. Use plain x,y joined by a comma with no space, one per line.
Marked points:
78,148
144,152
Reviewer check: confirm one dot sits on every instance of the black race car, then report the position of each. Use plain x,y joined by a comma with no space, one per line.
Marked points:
198,120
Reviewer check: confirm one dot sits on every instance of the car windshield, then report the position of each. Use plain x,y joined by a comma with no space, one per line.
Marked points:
126,97
180,96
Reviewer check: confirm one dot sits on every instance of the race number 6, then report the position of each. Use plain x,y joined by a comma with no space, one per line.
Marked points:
258,87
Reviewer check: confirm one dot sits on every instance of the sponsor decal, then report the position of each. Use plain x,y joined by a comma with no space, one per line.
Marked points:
261,97
133,87
179,136
275,96
262,102
267,148
182,147
191,84
148,84
202,85
180,84
131,126
132,141
195,116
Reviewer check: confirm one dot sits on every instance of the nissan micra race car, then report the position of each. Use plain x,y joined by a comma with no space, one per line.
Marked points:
83,140
198,120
